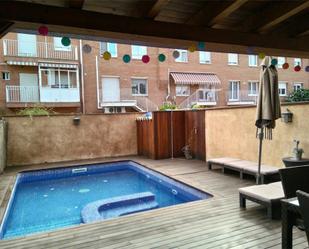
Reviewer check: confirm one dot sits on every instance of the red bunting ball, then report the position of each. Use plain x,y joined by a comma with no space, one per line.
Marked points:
285,65
43,30
145,59
297,68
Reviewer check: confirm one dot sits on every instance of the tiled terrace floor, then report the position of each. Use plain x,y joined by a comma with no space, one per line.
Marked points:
214,223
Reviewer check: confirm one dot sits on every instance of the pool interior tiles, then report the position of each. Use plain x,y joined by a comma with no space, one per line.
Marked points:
44,200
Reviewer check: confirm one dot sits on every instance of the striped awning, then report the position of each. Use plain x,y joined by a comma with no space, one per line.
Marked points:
22,63
195,78
57,65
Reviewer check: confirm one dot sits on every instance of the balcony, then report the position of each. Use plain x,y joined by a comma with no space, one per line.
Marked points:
242,97
47,94
43,50
202,97
124,98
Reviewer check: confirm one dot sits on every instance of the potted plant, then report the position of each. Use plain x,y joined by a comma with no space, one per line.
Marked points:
187,149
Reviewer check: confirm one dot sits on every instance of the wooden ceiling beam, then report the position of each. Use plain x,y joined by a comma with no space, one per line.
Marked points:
226,12
214,11
295,27
156,8
5,27
91,25
272,15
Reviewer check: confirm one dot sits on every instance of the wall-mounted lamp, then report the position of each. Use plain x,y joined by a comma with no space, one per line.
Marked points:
76,120
287,117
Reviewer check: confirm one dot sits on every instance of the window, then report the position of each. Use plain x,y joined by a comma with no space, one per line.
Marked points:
205,57
110,47
281,61
138,52
232,59
297,62
252,60
183,56
58,45
298,85
282,88
182,90
139,87
6,75
234,90
253,88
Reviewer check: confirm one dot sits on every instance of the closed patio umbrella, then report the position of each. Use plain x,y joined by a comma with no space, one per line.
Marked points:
268,106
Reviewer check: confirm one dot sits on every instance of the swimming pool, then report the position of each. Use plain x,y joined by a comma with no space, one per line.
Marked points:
48,199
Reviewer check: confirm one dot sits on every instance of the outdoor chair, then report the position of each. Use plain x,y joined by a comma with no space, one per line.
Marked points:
303,199
293,179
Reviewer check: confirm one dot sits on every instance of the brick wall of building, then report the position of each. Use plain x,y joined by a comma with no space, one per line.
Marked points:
157,73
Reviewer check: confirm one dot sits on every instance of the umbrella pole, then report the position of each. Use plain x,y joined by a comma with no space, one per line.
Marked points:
261,135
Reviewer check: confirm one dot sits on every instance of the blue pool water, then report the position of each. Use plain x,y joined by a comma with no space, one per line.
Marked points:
49,199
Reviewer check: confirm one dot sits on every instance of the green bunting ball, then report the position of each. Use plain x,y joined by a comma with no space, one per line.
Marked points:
65,41
161,57
126,58
274,62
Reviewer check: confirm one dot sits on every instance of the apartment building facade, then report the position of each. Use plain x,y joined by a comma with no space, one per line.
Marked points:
71,79
39,70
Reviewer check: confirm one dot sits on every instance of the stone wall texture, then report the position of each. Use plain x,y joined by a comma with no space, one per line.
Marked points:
232,133
54,139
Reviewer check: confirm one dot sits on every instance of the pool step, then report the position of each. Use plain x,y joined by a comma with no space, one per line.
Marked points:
118,206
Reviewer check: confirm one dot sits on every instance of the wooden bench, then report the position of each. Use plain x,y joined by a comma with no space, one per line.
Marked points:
268,195
268,173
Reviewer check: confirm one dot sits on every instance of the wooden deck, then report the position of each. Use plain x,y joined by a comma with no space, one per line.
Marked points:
214,223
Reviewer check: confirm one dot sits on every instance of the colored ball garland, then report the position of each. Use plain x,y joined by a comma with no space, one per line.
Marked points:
176,54
43,30
192,48
262,55
285,65
87,48
201,45
161,57
274,62
145,58
126,58
297,68
307,69
107,55
65,41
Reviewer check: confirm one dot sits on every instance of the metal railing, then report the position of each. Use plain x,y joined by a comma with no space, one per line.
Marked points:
200,97
240,97
127,99
38,50
34,94
22,94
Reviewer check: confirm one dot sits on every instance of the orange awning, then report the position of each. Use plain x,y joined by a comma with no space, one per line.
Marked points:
195,78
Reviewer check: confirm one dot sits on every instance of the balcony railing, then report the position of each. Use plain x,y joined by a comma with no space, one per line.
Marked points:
23,94
242,97
39,50
203,97
35,94
126,99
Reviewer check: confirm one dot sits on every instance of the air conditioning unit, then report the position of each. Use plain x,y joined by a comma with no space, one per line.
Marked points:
113,109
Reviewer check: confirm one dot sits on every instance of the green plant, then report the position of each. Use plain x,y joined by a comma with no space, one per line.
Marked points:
299,95
168,106
35,111
196,106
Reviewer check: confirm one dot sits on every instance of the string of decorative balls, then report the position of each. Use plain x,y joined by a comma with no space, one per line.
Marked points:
66,41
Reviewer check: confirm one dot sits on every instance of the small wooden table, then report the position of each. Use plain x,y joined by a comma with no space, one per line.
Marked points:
291,162
290,214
